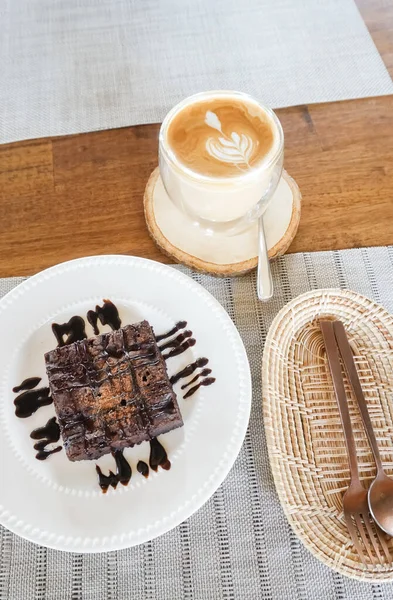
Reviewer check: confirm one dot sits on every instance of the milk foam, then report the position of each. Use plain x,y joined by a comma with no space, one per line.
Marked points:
220,136
235,149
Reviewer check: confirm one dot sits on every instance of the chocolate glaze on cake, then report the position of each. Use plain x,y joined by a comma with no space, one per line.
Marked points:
111,391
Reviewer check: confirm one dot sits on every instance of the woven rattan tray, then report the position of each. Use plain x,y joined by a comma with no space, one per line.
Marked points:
302,422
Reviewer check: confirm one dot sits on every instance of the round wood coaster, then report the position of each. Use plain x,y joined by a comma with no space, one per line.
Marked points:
220,255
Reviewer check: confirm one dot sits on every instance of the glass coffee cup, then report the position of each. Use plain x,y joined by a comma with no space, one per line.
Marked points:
220,158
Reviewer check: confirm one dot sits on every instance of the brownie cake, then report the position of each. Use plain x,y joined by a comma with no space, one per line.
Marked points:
111,391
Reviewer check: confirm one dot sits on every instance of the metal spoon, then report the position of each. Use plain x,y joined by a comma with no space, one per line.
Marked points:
264,274
380,493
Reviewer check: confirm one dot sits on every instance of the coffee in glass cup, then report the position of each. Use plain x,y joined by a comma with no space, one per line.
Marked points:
220,158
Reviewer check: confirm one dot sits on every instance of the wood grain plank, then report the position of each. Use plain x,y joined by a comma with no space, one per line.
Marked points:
79,195
346,178
378,16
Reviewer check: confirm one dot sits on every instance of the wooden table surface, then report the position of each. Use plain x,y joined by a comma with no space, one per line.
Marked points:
79,195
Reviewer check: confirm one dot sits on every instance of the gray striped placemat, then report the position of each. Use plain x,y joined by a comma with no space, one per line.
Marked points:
239,545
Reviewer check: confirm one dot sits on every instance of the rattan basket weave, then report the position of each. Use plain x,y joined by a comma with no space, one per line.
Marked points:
303,428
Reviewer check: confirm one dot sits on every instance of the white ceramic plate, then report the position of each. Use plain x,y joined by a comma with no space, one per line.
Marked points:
58,503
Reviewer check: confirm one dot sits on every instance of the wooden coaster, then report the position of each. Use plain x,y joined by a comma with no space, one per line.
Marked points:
220,255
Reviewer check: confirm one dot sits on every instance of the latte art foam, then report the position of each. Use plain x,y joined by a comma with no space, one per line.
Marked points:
236,149
220,137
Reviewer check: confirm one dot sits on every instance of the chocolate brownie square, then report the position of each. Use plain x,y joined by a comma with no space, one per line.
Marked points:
111,391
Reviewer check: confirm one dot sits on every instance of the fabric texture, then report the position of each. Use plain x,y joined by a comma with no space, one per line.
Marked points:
239,544
69,66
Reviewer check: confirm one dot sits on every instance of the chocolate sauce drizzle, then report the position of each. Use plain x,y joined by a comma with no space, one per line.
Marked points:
180,349
189,369
191,391
203,373
27,384
143,468
177,340
106,314
28,402
42,453
175,329
158,456
74,330
104,481
123,473
180,343
51,431
48,434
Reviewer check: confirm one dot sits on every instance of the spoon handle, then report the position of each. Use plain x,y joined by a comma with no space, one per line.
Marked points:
350,367
264,275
